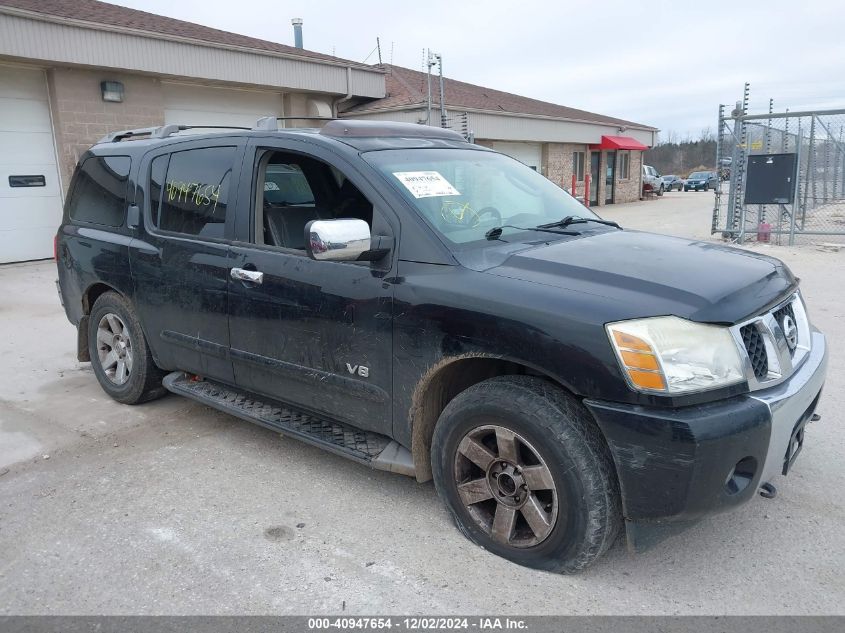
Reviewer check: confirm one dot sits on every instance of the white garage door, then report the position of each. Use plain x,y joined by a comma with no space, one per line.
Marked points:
206,105
529,153
30,195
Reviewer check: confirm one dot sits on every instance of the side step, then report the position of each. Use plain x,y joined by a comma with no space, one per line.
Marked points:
376,450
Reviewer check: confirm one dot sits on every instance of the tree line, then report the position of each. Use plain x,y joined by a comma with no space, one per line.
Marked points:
673,155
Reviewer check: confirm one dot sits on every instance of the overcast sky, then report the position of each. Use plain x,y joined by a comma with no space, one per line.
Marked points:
666,64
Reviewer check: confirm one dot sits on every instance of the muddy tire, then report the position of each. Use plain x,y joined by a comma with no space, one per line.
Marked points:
119,352
526,474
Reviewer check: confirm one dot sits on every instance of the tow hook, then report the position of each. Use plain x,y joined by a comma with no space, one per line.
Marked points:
768,491
815,417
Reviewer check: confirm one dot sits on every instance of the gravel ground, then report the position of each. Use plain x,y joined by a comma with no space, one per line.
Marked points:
172,508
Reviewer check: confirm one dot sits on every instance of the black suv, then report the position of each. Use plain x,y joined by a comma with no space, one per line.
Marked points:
429,307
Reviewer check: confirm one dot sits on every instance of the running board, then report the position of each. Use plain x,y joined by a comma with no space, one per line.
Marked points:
373,449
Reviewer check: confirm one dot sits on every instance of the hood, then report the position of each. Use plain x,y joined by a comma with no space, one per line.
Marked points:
645,274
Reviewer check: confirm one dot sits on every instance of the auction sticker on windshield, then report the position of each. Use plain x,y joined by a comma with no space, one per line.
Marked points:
426,184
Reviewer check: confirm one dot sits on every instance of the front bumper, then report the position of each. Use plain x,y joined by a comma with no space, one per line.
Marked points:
678,465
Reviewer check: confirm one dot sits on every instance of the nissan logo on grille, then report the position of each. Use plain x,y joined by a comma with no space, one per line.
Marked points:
790,331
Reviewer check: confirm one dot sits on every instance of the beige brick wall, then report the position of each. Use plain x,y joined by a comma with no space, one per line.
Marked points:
81,117
631,189
558,164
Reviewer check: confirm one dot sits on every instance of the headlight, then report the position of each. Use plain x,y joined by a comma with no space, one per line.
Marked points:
673,356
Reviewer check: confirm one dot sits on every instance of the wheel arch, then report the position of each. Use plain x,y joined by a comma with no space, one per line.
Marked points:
446,379
89,297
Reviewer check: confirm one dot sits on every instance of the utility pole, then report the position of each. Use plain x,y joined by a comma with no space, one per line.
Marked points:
442,97
428,64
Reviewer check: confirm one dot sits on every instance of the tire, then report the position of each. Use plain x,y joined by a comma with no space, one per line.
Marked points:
581,515
140,379
706,187
686,188
660,191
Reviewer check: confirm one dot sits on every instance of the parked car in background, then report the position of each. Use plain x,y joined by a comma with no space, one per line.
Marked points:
672,182
652,181
701,181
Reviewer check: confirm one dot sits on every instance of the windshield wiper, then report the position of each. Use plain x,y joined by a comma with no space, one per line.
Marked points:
496,232
571,219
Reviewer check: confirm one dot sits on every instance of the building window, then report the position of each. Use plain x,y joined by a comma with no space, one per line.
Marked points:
578,161
624,165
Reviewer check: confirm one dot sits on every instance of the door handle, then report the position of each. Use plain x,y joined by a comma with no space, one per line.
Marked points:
250,276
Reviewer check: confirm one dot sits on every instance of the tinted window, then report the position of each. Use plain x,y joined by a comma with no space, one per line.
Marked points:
195,195
157,174
99,196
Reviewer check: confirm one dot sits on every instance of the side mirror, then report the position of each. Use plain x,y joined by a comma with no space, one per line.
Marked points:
337,240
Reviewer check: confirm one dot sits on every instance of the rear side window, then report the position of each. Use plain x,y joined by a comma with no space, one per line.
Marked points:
99,195
190,194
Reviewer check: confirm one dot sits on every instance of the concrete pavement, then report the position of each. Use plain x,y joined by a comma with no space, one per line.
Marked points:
172,508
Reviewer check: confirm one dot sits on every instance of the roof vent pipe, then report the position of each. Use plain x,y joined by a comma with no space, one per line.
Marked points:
297,32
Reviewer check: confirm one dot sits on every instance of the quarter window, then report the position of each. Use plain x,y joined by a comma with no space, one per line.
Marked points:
99,196
578,161
193,195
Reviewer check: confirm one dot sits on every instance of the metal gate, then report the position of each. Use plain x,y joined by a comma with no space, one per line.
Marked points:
815,203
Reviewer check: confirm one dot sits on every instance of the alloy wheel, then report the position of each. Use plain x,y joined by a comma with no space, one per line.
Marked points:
114,348
506,486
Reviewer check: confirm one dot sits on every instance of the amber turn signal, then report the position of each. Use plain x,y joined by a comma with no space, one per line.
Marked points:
639,361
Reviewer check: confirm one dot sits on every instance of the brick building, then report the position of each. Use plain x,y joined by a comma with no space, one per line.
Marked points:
556,140
72,71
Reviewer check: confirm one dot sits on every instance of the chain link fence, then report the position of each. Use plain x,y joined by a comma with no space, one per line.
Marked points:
809,204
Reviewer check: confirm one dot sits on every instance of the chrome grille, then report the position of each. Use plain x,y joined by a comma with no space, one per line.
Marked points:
770,356
756,349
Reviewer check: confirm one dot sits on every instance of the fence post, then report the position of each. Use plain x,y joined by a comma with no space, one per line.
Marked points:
797,185
717,199
811,171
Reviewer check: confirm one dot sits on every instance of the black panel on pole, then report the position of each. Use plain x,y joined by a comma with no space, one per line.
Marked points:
771,179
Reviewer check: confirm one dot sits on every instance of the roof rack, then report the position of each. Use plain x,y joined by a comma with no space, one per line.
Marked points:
162,131
271,123
353,128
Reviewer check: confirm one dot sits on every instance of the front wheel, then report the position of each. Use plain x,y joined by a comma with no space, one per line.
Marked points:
526,474
119,352
660,191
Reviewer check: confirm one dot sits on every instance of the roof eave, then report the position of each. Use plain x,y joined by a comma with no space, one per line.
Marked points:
97,26
421,105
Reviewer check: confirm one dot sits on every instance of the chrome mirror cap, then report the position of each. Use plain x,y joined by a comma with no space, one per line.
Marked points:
337,240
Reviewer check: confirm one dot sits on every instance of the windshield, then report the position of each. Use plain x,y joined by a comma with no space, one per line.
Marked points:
699,175
464,193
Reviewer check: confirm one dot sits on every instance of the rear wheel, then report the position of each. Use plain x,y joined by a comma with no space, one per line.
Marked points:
119,352
525,474
660,191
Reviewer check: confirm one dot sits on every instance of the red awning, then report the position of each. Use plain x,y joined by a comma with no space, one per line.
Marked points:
619,142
